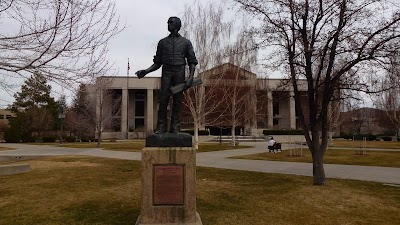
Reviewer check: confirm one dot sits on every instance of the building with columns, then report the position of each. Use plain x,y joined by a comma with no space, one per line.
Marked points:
260,104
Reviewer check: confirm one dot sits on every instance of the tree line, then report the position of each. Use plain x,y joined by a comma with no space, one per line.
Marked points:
39,116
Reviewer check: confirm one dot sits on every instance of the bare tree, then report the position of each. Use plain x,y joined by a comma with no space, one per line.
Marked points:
209,32
388,101
80,118
65,41
107,105
3,127
323,42
42,120
241,88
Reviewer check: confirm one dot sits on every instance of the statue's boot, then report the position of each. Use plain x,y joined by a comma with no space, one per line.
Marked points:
175,127
176,111
162,122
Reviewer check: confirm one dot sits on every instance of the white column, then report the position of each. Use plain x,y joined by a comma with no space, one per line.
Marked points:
124,113
149,110
292,111
99,124
270,109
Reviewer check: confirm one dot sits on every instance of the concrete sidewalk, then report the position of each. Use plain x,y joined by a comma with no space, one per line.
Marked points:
220,159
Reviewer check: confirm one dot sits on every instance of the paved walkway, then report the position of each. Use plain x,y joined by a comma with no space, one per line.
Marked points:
220,159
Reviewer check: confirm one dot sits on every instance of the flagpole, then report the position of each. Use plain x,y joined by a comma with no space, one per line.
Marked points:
127,102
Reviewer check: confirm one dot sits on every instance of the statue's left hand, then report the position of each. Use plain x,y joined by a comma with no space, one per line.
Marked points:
188,82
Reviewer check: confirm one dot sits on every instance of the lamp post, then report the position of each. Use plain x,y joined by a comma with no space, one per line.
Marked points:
61,116
220,135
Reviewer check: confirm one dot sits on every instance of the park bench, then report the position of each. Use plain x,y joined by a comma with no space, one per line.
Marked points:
276,146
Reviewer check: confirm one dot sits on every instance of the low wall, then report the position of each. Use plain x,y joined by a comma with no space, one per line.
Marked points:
205,138
122,136
14,169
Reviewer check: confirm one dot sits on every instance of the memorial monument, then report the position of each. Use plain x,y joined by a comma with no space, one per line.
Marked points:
168,159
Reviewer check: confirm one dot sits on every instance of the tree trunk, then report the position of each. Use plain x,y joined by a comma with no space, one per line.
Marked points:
196,136
318,168
98,139
233,133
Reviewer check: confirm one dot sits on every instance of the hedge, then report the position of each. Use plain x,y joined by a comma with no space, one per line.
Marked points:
201,132
85,140
69,139
283,132
387,138
49,139
370,137
11,135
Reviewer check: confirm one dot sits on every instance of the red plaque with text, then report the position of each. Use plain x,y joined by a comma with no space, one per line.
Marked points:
168,185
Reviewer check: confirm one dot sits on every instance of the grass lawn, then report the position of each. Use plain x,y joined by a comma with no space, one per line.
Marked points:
137,146
208,147
335,156
369,144
89,190
131,146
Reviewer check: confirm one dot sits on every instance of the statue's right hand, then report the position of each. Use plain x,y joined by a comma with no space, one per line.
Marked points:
141,73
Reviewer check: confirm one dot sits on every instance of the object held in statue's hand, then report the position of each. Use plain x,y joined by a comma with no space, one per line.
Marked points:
182,86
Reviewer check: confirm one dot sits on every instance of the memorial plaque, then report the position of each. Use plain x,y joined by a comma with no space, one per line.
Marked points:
168,185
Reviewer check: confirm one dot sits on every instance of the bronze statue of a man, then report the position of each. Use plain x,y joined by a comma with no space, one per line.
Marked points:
173,53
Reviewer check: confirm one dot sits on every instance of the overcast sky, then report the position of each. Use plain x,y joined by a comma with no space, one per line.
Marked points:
146,24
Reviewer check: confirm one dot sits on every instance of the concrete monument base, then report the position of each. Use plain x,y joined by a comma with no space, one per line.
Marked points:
198,222
168,186
14,169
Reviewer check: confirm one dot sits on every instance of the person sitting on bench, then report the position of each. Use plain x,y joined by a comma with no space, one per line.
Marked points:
271,144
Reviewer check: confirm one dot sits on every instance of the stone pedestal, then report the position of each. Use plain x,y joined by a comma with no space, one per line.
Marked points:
168,186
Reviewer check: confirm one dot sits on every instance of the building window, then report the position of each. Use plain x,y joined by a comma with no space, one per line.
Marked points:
116,124
1,116
8,116
275,108
139,108
139,123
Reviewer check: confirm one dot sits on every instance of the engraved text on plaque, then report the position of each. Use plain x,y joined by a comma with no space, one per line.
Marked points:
168,185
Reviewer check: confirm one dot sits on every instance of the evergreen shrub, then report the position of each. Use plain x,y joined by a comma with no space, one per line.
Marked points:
201,132
12,135
387,138
49,139
70,139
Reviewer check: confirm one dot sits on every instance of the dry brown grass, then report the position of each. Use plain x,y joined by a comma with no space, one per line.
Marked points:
129,146
88,190
368,144
5,148
256,198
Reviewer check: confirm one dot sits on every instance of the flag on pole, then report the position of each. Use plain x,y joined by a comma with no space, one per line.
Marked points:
128,67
